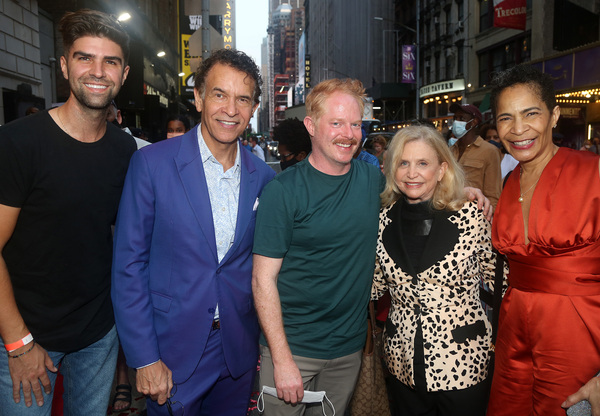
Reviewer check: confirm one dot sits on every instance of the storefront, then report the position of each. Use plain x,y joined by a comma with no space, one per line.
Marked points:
577,84
436,100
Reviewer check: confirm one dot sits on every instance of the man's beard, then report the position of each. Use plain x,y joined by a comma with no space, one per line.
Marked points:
86,99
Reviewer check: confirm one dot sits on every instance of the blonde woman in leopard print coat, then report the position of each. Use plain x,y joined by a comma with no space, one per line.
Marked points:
434,250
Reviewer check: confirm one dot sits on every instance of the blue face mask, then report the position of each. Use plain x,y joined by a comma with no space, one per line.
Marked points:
452,141
459,128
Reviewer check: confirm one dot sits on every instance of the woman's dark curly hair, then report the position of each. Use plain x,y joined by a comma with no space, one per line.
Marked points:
293,135
539,82
235,59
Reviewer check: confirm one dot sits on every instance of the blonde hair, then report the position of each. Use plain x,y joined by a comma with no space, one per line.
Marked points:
315,101
449,192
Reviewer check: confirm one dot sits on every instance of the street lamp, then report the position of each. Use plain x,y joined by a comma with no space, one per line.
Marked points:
123,17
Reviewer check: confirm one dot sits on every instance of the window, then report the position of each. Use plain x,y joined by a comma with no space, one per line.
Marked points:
502,57
449,60
448,21
461,11
460,61
486,14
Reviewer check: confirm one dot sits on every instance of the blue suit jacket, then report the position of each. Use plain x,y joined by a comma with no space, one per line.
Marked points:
166,279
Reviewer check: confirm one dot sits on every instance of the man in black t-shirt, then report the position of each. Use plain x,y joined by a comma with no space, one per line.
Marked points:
61,176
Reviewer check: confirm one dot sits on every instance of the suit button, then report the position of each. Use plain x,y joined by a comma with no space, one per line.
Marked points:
218,271
211,311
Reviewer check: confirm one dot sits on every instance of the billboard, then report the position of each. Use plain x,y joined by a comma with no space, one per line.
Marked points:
510,13
408,64
222,34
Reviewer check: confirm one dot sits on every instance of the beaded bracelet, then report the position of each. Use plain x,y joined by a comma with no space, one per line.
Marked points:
23,353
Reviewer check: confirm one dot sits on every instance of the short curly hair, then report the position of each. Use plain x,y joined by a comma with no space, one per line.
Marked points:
292,133
539,82
235,59
87,22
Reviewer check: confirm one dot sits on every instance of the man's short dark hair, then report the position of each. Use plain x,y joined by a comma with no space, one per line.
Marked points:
235,59
87,22
292,133
541,83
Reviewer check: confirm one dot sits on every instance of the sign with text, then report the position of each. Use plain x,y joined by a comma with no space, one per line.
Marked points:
442,87
307,82
221,25
510,13
409,70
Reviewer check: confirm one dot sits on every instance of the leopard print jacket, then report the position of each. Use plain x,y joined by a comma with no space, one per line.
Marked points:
444,297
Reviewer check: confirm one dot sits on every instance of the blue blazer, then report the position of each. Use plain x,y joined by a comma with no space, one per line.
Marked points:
166,279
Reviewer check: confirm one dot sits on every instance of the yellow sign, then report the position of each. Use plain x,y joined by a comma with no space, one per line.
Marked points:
227,36
187,80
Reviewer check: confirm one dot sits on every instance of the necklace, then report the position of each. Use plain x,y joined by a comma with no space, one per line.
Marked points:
67,131
63,123
530,188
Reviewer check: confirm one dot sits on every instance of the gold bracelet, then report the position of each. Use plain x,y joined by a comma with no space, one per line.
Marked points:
23,353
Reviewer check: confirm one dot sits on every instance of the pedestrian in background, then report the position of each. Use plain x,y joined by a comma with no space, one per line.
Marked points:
177,125
293,142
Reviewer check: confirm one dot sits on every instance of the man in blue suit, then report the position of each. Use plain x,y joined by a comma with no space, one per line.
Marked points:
181,284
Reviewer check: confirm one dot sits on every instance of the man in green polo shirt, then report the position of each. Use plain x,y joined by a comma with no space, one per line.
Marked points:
314,253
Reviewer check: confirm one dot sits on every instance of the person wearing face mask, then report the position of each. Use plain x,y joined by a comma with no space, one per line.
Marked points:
294,142
479,159
177,125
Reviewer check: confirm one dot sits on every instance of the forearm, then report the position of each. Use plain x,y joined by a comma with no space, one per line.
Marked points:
12,325
268,306
286,374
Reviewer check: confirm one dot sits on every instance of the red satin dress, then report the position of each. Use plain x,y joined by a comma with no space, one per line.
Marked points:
548,343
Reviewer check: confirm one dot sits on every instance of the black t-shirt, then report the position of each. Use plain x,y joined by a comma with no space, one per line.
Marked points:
59,256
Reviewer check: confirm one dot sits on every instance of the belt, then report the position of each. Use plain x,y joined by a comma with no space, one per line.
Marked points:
216,324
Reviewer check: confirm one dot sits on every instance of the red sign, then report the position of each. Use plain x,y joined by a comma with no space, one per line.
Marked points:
510,13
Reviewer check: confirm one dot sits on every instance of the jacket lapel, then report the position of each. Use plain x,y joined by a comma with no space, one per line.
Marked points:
392,239
442,239
246,201
191,173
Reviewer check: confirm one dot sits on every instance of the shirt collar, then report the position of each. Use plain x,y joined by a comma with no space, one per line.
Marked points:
207,155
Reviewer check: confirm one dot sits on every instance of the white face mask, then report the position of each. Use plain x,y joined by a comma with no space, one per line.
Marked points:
309,397
459,128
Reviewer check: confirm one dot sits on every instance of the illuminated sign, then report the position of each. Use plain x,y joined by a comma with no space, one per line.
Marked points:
221,25
441,87
227,19
186,69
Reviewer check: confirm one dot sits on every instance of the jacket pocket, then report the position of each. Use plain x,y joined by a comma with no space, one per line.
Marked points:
468,332
161,302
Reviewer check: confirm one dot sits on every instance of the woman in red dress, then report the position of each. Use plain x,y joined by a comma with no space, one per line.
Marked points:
547,223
